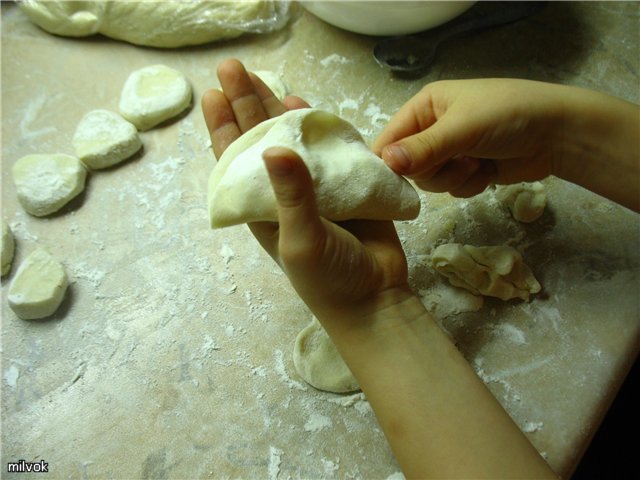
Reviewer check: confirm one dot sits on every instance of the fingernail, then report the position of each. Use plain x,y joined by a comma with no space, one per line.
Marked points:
397,158
277,164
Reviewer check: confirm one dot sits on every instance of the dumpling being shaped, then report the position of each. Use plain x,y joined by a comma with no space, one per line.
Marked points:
350,182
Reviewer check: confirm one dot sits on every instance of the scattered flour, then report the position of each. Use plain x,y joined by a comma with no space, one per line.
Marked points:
334,58
275,459
317,422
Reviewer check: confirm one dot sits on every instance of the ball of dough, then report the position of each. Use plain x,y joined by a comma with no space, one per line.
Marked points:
39,286
104,138
318,362
350,181
45,183
493,271
8,248
154,94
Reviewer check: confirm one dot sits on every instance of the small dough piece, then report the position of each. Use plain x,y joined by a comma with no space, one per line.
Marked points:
526,201
46,183
8,248
38,287
154,94
318,362
350,181
274,82
493,271
103,138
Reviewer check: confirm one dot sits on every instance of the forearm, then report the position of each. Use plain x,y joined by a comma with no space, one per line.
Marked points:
438,416
599,145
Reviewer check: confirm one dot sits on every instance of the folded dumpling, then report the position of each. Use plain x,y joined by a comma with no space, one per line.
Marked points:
350,182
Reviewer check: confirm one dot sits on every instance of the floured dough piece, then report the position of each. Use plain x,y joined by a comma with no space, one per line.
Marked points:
166,23
154,94
492,271
318,362
350,181
8,248
274,82
104,138
526,201
45,183
39,286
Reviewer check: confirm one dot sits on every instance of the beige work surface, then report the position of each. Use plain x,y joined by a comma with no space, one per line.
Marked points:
171,356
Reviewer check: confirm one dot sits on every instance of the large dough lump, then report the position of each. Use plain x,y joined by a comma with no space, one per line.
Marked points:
45,183
350,181
493,271
38,287
319,363
166,23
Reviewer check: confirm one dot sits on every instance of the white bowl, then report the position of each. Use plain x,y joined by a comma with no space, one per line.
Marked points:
386,18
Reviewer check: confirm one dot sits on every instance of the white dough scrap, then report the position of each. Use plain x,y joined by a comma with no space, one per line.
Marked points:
103,138
319,363
46,182
154,94
526,201
350,182
493,271
8,248
39,286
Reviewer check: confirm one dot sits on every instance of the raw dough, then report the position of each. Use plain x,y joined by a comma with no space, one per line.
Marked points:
526,201
493,271
38,287
350,181
8,248
154,94
318,362
45,183
274,82
103,138
166,23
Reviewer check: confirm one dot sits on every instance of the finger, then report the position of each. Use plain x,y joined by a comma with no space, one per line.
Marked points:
241,93
270,102
292,102
300,224
450,176
478,182
220,120
267,235
417,153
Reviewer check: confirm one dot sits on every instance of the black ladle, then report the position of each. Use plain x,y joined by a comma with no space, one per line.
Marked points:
415,53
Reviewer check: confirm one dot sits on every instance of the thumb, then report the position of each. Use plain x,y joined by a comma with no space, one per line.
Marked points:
425,150
293,187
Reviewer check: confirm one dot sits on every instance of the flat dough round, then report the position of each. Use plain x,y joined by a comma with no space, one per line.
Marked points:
45,183
350,181
8,248
39,286
154,94
103,139
318,362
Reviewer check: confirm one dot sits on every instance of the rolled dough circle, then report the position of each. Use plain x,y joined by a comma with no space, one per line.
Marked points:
319,363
